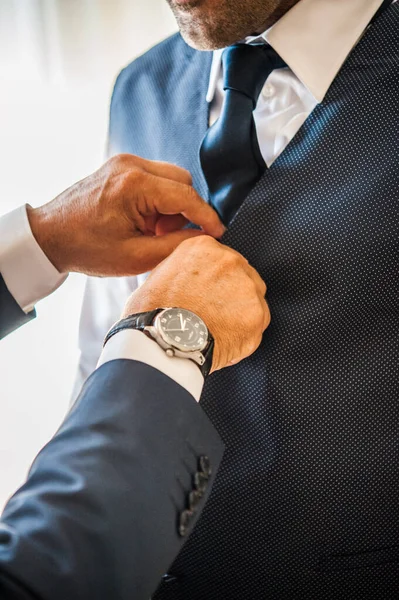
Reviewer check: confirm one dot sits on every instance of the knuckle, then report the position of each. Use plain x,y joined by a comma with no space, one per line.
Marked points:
131,175
135,178
204,241
259,315
185,245
255,316
263,288
253,288
119,160
130,159
249,289
195,244
231,260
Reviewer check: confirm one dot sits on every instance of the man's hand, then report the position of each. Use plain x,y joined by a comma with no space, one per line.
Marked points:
219,285
122,220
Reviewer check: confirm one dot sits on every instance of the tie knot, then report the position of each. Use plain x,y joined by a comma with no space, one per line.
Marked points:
246,68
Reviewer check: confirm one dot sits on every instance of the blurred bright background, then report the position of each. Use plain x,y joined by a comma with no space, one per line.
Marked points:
58,62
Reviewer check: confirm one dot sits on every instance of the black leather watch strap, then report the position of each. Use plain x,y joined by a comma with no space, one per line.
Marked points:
138,321
208,355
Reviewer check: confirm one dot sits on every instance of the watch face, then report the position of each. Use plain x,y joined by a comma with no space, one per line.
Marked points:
183,329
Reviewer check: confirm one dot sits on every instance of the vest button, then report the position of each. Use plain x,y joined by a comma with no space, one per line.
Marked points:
268,91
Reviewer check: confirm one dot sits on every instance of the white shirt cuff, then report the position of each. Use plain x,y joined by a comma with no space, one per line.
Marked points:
135,345
26,270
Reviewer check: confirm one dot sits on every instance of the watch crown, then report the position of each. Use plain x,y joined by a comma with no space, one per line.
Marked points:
170,352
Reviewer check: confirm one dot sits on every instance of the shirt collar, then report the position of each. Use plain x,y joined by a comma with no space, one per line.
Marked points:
314,38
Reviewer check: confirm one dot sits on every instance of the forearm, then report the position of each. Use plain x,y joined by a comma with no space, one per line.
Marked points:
103,498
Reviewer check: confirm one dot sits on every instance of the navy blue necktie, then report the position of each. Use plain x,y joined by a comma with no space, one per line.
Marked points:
229,154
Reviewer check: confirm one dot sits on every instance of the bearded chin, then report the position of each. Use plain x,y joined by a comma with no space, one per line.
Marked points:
213,24
203,36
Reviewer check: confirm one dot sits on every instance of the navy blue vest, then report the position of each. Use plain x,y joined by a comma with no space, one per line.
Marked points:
306,502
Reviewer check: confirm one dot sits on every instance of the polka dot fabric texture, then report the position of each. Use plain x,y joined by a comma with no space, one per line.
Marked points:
306,502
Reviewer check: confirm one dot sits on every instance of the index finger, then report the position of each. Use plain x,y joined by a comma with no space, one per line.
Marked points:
172,198
158,168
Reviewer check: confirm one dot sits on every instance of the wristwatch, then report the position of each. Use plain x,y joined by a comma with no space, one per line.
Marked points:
178,331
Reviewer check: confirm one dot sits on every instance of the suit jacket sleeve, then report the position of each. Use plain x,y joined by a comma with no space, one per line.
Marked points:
99,515
11,314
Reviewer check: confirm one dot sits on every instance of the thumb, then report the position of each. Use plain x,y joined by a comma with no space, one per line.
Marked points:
150,251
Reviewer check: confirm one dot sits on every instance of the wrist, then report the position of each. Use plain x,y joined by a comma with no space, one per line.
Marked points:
178,331
141,302
146,301
44,225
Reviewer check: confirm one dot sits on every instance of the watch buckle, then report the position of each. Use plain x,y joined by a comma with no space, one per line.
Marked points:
196,356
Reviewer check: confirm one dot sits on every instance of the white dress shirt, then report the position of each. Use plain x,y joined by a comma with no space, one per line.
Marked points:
26,270
314,38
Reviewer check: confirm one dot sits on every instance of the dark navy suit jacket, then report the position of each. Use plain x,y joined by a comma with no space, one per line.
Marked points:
99,515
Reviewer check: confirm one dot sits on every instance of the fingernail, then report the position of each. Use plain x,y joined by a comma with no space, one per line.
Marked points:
222,230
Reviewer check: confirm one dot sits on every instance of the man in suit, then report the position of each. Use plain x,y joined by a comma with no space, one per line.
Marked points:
292,136
112,497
